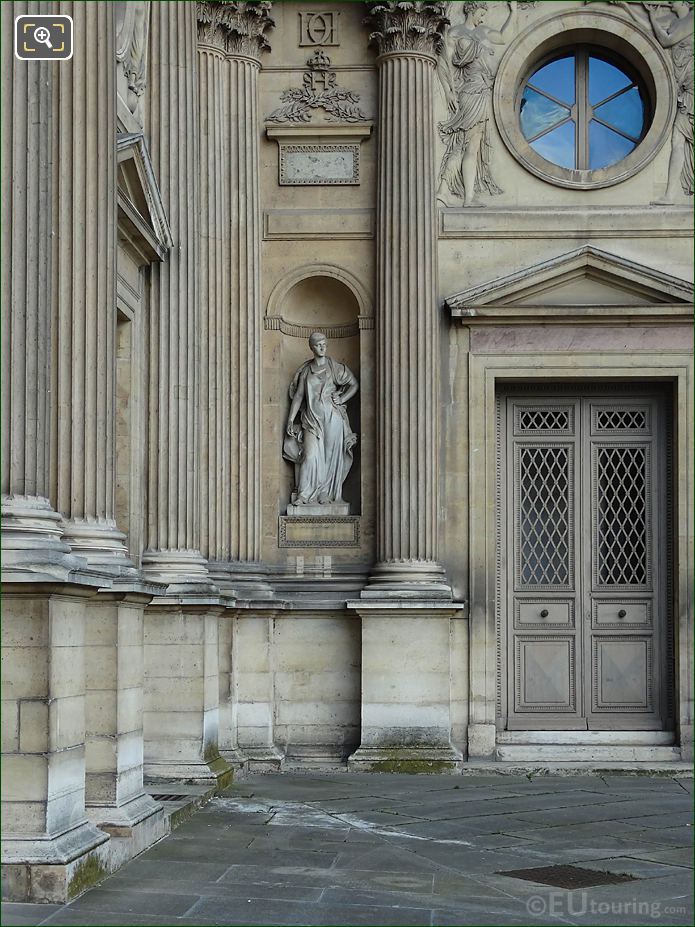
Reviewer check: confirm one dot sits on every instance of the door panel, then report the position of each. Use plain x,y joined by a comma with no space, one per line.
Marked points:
584,612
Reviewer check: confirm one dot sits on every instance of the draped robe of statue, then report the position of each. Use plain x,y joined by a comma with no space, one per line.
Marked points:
326,439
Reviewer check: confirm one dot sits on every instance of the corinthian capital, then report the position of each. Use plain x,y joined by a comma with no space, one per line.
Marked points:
404,27
236,28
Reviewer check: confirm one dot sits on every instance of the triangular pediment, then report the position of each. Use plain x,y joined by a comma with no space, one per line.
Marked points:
141,215
584,281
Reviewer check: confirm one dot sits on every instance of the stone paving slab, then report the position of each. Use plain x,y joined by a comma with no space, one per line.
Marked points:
352,849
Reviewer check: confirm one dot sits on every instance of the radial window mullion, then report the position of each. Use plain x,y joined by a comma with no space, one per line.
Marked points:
582,94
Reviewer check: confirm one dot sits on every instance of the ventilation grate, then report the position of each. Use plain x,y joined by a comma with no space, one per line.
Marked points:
168,797
569,877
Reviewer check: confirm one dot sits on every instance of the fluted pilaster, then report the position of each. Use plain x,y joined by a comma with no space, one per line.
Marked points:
85,286
31,529
407,35
231,37
173,530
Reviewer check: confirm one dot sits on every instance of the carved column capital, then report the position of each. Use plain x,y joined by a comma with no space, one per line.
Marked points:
407,27
236,28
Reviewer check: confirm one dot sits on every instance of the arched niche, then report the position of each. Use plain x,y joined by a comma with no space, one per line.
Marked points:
325,298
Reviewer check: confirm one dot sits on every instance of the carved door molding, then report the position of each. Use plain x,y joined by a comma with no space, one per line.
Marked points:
584,624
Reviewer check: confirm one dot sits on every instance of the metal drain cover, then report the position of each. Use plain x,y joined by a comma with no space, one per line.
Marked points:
568,876
167,797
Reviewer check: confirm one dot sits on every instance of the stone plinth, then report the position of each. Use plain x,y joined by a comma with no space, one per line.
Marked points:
334,508
116,800
181,704
253,692
50,851
406,688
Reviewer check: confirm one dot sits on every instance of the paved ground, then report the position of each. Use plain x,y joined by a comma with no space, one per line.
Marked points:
343,849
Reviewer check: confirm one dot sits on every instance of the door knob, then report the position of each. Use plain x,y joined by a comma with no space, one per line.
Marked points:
622,613
544,613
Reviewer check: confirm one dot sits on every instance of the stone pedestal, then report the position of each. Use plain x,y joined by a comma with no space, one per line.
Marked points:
335,508
253,689
50,851
181,705
406,689
116,800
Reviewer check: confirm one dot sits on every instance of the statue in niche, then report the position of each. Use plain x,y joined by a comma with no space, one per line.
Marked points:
467,75
676,35
321,447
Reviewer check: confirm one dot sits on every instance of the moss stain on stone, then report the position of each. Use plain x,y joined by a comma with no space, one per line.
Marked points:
409,765
87,874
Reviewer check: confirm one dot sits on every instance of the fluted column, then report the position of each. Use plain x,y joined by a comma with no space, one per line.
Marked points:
85,287
231,37
31,529
172,552
407,36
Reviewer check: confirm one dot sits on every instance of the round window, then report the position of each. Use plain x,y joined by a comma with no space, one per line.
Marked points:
583,111
584,98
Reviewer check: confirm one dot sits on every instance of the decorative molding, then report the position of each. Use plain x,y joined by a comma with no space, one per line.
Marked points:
365,301
513,295
298,330
235,28
319,90
323,224
407,27
567,222
141,213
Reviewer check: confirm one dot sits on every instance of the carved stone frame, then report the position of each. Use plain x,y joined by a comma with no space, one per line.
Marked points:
486,373
599,28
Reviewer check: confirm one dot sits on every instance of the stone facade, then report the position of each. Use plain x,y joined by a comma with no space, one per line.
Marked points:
198,190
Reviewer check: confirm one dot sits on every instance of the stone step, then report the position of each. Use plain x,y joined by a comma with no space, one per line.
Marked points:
589,738
590,753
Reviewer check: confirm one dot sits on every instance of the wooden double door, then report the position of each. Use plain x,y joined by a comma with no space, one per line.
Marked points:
585,628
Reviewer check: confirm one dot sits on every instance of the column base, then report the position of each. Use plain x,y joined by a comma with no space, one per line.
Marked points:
33,548
408,579
183,572
241,578
54,869
101,544
133,826
216,773
412,760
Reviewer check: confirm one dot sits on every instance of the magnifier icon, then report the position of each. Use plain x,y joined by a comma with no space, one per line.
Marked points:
42,35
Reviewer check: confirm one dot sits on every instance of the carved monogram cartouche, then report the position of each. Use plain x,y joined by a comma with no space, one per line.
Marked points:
320,89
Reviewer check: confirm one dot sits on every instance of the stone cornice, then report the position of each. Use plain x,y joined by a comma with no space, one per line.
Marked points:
236,28
407,27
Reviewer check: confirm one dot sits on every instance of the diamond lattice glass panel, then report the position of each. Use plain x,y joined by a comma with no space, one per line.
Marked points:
544,507
621,420
622,516
544,420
